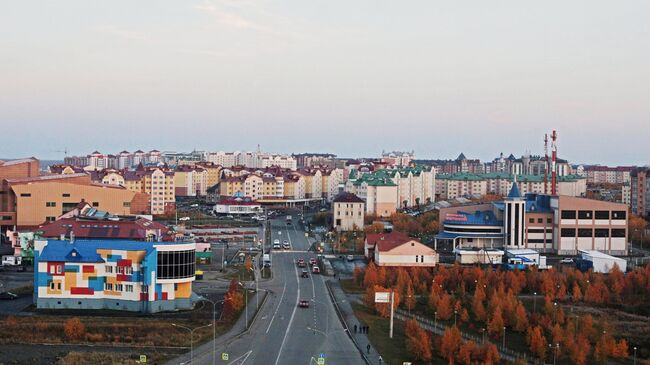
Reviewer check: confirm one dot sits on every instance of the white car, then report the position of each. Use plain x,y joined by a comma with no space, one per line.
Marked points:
276,243
286,245
567,260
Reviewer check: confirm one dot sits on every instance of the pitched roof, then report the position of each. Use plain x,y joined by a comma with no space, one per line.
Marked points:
45,178
387,241
103,228
346,197
514,192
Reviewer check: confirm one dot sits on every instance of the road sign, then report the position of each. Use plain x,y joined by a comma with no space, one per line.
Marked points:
321,361
321,355
143,359
224,356
306,234
382,297
407,363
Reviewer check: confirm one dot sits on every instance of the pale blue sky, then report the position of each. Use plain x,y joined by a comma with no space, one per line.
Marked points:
348,77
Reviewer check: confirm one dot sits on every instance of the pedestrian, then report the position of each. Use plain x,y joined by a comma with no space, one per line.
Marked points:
355,328
368,348
367,329
380,359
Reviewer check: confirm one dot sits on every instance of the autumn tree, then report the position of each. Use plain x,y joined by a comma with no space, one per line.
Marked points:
620,350
450,343
370,278
579,352
418,341
410,297
490,354
477,304
357,275
521,318
74,329
248,263
495,324
536,341
466,351
444,307
576,293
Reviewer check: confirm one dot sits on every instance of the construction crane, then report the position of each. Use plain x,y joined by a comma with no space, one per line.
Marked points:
64,151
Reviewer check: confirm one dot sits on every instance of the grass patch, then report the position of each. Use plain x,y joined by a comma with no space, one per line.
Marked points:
108,358
392,350
350,287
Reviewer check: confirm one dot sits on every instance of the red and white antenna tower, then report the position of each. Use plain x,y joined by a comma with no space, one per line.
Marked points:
553,161
545,163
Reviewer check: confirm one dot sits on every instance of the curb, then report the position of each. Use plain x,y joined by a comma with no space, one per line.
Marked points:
344,323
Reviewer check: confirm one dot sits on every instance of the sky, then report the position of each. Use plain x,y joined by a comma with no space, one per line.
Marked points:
347,77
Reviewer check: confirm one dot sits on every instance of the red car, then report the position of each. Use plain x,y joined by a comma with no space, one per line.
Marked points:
303,303
312,261
301,263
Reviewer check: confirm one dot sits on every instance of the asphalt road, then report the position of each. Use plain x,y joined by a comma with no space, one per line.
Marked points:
284,333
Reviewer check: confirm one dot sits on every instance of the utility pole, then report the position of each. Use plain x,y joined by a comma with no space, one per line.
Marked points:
392,305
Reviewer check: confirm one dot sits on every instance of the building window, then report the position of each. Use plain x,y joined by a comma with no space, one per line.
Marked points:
531,220
52,285
119,269
568,214
119,287
568,232
50,204
602,232
128,270
585,232
618,233
95,204
129,288
549,220
619,214
602,214
585,214
25,195
176,264
109,269
108,286
144,289
50,219
65,195
416,258
540,220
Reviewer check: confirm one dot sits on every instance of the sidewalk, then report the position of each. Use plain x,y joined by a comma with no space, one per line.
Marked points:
349,320
204,352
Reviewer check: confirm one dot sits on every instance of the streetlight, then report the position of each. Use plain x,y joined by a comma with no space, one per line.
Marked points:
483,335
504,338
245,301
214,329
535,302
257,299
455,315
634,355
191,331
557,347
435,319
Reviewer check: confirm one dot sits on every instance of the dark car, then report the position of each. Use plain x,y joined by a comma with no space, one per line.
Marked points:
305,274
8,296
303,303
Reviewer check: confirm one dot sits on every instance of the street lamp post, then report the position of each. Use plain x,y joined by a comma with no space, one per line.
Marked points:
455,316
257,299
555,350
634,355
504,337
435,319
483,335
535,302
191,331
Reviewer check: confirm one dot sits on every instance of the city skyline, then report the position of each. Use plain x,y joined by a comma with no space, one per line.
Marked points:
436,78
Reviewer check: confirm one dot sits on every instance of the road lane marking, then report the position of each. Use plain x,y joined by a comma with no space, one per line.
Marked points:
293,314
284,289
244,356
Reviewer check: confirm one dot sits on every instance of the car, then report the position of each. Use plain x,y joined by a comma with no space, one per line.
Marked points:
350,258
312,261
303,303
566,260
230,216
8,296
301,263
304,274
276,241
315,270
323,209
285,242
286,246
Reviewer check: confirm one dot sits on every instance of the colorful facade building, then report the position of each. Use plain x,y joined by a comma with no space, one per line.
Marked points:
398,249
348,212
137,276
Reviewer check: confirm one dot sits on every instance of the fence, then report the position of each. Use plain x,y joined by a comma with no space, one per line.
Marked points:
439,329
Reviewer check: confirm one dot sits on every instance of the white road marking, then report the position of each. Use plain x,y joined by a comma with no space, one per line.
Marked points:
286,333
245,356
284,289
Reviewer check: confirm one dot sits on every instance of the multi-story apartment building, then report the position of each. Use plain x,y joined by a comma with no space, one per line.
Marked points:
315,159
313,182
138,276
380,193
214,172
397,158
190,180
122,160
608,175
626,194
348,212
639,186
451,186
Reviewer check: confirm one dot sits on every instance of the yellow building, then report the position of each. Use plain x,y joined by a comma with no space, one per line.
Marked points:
36,200
214,172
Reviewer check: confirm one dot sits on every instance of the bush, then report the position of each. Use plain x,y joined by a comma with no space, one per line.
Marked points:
74,329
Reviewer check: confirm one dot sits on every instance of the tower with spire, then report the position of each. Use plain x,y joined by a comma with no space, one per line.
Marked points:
513,217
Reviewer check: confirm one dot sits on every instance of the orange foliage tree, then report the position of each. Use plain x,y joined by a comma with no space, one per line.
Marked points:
74,329
536,341
418,341
450,344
